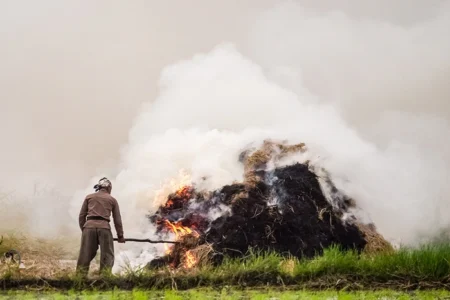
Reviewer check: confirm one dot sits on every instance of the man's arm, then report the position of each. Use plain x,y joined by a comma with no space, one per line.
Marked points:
83,214
117,219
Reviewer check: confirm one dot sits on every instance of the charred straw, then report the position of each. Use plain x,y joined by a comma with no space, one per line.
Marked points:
282,210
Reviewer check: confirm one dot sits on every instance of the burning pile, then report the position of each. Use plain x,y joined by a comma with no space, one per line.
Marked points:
280,209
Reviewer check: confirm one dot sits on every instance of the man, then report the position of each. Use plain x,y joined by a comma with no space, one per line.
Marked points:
94,221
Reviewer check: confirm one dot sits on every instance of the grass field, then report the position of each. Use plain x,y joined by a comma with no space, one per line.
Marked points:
426,267
226,294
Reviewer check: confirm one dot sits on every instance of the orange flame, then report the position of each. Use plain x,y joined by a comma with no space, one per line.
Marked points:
169,203
180,230
190,260
184,192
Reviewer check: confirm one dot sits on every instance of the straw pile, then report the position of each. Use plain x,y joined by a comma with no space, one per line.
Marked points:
255,160
281,209
376,243
201,255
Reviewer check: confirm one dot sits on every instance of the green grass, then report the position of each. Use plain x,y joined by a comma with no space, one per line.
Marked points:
429,262
406,269
225,294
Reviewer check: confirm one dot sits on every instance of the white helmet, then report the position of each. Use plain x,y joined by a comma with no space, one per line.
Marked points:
103,183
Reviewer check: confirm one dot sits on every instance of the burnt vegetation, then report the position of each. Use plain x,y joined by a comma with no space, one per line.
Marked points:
282,210
301,222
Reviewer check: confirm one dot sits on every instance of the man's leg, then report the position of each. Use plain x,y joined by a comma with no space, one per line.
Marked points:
88,250
106,249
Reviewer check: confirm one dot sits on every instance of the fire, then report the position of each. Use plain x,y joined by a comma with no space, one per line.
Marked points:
180,230
179,198
169,203
184,192
186,231
166,187
189,260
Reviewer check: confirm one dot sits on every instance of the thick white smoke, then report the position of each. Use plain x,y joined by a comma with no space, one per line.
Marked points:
390,82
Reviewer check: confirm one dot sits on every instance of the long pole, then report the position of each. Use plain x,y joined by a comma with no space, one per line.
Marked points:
148,241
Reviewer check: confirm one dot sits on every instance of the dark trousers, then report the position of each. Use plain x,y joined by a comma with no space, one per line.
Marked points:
91,238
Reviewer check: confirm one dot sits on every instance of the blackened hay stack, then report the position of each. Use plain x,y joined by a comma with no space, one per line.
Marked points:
280,209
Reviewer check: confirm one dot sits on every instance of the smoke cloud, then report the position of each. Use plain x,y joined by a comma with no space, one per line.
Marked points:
388,78
364,86
73,76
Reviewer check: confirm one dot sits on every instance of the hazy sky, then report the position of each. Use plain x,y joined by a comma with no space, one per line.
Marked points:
73,73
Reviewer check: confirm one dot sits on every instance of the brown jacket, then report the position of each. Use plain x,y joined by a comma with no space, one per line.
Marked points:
101,204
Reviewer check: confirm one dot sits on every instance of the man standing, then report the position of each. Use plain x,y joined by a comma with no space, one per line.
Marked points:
94,221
